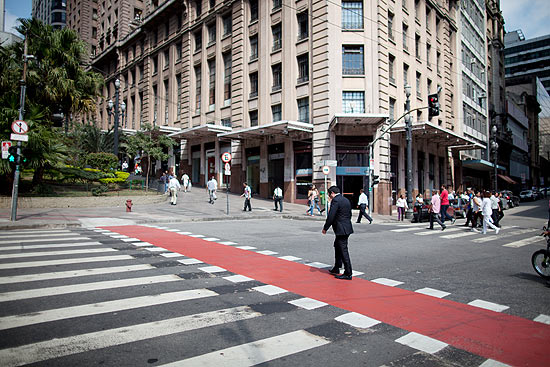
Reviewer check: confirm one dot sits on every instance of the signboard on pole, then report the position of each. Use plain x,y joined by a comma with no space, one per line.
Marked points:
19,127
226,157
331,163
227,169
5,149
326,170
19,137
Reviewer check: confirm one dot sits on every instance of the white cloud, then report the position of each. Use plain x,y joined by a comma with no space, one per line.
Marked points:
530,16
10,21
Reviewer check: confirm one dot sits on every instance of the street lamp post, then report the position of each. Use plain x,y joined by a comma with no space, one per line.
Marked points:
117,88
494,147
408,129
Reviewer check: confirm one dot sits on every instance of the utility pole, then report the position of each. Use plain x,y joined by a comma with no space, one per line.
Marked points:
15,189
408,132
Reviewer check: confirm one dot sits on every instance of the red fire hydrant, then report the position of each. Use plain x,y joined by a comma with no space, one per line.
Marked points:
128,205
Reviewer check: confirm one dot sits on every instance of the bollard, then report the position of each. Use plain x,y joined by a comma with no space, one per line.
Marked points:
128,205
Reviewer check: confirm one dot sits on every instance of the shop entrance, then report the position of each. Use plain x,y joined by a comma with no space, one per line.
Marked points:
253,169
350,186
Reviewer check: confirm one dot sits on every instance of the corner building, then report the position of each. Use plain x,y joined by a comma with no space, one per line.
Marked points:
286,85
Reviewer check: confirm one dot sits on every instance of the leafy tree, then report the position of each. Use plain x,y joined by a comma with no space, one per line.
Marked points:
102,161
84,139
149,142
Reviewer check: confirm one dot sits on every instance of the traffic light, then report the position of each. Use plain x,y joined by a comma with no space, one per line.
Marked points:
13,154
433,105
375,180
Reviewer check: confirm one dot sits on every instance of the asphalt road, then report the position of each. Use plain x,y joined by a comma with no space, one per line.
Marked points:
94,297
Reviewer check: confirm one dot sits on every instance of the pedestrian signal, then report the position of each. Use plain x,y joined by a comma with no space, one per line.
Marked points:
13,154
375,180
433,105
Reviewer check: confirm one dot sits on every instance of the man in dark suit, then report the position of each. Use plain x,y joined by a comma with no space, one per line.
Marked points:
339,217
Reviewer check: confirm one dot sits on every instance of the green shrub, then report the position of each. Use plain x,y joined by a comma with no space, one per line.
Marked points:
112,180
123,175
98,191
102,161
43,190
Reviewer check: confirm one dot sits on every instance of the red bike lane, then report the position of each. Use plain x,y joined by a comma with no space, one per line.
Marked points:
505,338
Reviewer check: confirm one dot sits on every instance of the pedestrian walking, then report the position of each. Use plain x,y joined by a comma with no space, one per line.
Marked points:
444,197
212,187
174,186
164,182
495,206
278,198
247,194
339,217
418,205
476,210
313,200
434,210
401,207
186,182
125,166
468,197
363,204
487,212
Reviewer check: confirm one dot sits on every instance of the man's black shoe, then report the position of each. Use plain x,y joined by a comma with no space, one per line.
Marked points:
343,276
357,222
430,228
443,228
334,271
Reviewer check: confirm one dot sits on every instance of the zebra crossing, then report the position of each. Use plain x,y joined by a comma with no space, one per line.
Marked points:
113,301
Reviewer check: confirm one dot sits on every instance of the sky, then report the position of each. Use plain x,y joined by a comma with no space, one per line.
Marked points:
531,16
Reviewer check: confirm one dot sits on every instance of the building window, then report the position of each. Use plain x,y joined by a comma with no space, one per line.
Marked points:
404,5
405,36
198,82
353,102
155,104
227,25
277,77
166,102
418,85
253,118
277,4
179,91
303,109
276,30
276,111
140,108
212,85
428,15
428,54
253,10
166,54
303,25
352,14
227,78
303,68
391,68
198,8
211,34
417,9
198,41
155,64
390,26
253,84
392,109
417,46
438,62
179,52
405,74
353,60
226,122
212,4
166,30
253,48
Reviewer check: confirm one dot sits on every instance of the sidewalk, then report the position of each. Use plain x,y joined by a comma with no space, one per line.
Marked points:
192,206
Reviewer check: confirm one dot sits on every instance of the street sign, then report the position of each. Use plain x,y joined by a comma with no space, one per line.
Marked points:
19,127
5,149
19,137
227,167
227,173
331,163
226,157
326,170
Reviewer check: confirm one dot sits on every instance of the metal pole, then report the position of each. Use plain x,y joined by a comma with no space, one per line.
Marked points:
371,173
409,156
227,192
15,189
326,197
117,87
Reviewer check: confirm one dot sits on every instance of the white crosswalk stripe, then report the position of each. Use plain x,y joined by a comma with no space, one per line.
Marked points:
436,230
58,253
49,246
459,235
34,264
59,347
525,242
12,241
50,235
35,232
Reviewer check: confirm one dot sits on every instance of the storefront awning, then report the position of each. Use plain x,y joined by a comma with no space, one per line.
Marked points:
439,135
274,128
201,131
507,179
480,165
355,119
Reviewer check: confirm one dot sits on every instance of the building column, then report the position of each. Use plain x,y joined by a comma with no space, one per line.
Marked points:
426,168
264,174
202,173
217,161
289,189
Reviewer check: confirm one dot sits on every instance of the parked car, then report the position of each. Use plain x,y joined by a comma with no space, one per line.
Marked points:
539,194
509,200
527,195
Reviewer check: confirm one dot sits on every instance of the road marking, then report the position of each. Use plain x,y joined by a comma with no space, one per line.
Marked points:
238,278
190,261
357,320
307,303
171,254
130,239
432,292
267,252
356,273
184,233
33,264
408,229
212,269
142,244
196,235
493,363
118,236
56,348
545,319
229,243
73,273
78,238
488,305
257,352
57,253
318,265
270,290
33,232
211,239
246,247
437,231
386,281
422,343
85,287
524,242
155,249
49,246
102,307
173,230
458,235
11,235
290,258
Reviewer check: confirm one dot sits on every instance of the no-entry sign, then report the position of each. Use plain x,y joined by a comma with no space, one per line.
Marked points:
226,157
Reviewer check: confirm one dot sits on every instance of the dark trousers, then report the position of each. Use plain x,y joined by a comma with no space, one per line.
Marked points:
475,216
247,205
363,212
496,217
435,216
341,254
444,213
469,214
278,200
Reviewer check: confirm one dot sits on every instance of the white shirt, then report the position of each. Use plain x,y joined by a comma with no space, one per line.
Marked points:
363,199
278,192
401,203
486,207
174,183
212,184
475,205
185,178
